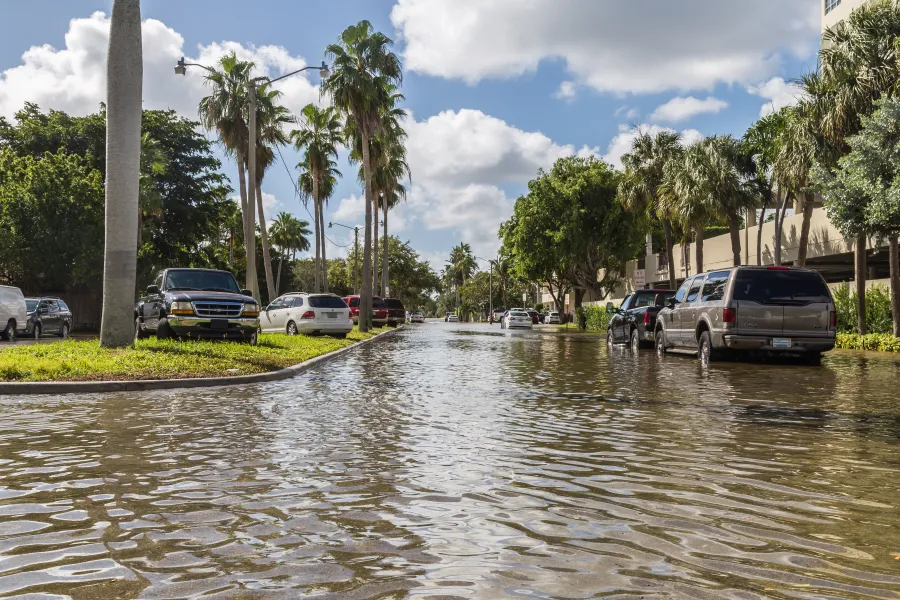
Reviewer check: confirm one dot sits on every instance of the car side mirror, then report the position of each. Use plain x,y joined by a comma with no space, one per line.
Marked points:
610,308
152,289
671,302
247,293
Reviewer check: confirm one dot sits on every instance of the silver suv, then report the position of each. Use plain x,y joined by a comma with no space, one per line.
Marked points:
768,310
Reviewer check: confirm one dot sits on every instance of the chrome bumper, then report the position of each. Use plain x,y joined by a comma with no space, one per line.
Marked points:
200,326
764,344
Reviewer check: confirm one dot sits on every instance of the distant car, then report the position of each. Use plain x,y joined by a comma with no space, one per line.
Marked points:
517,319
416,317
634,321
396,312
47,315
13,312
759,310
552,318
497,315
451,318
379,310
311,314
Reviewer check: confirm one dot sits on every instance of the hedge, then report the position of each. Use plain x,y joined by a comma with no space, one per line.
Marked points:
881,342
596,318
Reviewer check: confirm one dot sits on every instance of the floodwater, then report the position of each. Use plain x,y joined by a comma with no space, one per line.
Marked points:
458,461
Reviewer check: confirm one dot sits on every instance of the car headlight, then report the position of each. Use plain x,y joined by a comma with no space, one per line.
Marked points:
250,310
182,308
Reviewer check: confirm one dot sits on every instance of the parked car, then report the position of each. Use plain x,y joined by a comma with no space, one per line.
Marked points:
379,310
535,318
497,315
310,314
517,319
553,318
452,318
764,310
634,322
13,312
197,303
47,315
416,317
396,312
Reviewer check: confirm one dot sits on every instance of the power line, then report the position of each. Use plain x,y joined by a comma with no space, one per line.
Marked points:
297,195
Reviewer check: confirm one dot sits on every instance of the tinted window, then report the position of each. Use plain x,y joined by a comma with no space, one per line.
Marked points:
626,303
681,294
276,304
695,289
213,281
31,305
518,314
780,287
644,299
393,303
326,302
714,288
354,302
62,305
378,303
293,302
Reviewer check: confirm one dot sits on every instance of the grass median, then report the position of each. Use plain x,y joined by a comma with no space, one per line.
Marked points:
85,360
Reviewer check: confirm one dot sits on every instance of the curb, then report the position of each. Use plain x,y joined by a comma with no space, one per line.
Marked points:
91,387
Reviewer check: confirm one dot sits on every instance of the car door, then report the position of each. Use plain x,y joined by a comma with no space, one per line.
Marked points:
687,313
292,309
55,317
268,318
151,311
45,313
672,318
620,317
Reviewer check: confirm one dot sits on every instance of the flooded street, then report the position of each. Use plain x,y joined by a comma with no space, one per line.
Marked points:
458,461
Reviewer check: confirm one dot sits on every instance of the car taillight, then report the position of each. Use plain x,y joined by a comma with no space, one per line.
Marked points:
647,318
833,319
308,315
729,315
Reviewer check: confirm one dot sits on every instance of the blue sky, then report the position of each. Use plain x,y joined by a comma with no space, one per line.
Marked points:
496,88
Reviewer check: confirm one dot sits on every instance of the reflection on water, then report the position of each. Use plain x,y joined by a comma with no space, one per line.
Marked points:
454,461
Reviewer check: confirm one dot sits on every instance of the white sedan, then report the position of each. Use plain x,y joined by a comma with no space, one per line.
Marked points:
417,317
451,318
312,314
515,319
552,318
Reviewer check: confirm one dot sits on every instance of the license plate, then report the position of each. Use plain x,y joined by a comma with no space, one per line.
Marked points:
782,343
332,315
218,324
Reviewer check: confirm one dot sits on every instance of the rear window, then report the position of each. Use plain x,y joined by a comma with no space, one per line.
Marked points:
392,303
781,287
378,303
518,314
644,300
354,302
326,302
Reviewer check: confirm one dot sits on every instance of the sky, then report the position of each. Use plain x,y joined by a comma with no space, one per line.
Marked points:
495,89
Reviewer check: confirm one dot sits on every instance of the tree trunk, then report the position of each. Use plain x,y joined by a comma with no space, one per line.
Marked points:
365,294
321,215
318,227
385,258
686,258
267,257
252,278
670,245
861,284
779,227
278,276
734,229
124,78
803,250
245,214
895,283
376,211
759,230
698,268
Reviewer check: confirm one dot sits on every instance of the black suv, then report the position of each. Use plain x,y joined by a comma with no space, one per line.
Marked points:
47,315
197,303
396,312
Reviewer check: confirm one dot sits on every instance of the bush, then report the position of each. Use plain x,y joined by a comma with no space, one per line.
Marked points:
880,342
595,317
879,318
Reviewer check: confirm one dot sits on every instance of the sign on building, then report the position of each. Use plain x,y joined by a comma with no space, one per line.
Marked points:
640,279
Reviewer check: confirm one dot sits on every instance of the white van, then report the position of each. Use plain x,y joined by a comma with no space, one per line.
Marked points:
12,312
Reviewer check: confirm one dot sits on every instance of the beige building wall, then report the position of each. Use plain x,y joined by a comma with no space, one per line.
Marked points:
839,12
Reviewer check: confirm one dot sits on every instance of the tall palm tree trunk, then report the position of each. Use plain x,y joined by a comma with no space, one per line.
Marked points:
242,184
670,246
803,250
321,216
759,230
365,293
860,274
318,227
385,279
124,76
267,257
375,210
278,276
894,254
699,250
734,230
779,227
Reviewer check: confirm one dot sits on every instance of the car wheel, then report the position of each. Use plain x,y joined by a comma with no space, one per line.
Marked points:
635,341
292,328
707,354
139,334
610,341
661,343
9,334
64,332
253,339
163,331
36,331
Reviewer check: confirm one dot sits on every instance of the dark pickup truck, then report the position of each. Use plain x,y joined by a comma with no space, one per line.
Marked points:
634,322
197,303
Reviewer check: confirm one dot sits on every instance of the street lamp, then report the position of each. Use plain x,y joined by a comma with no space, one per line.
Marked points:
355,251
324,72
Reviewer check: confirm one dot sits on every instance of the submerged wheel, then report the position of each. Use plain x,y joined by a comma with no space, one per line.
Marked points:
661,349
64,332
707,354
610,341
36,331
635,341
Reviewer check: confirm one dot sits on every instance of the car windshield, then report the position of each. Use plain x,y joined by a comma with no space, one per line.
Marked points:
326,302
781,287
206,281
392,303
31,305
378,303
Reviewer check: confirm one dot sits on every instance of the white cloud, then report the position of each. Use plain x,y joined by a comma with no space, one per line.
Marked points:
73,78
680,109
566,91
351,211
621,143
610,46
779,94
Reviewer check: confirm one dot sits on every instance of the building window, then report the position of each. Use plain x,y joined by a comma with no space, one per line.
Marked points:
830,5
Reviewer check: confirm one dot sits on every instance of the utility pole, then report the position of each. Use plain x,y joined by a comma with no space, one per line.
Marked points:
250,236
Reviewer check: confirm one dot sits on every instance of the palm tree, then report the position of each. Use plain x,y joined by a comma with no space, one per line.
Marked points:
289,234
460,267
639,190
683,197
154,162
364,71
762,142
318,139
124,71
225,111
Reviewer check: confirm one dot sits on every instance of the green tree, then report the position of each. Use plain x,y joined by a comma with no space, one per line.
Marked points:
154,163
364,74
289,234
762,142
